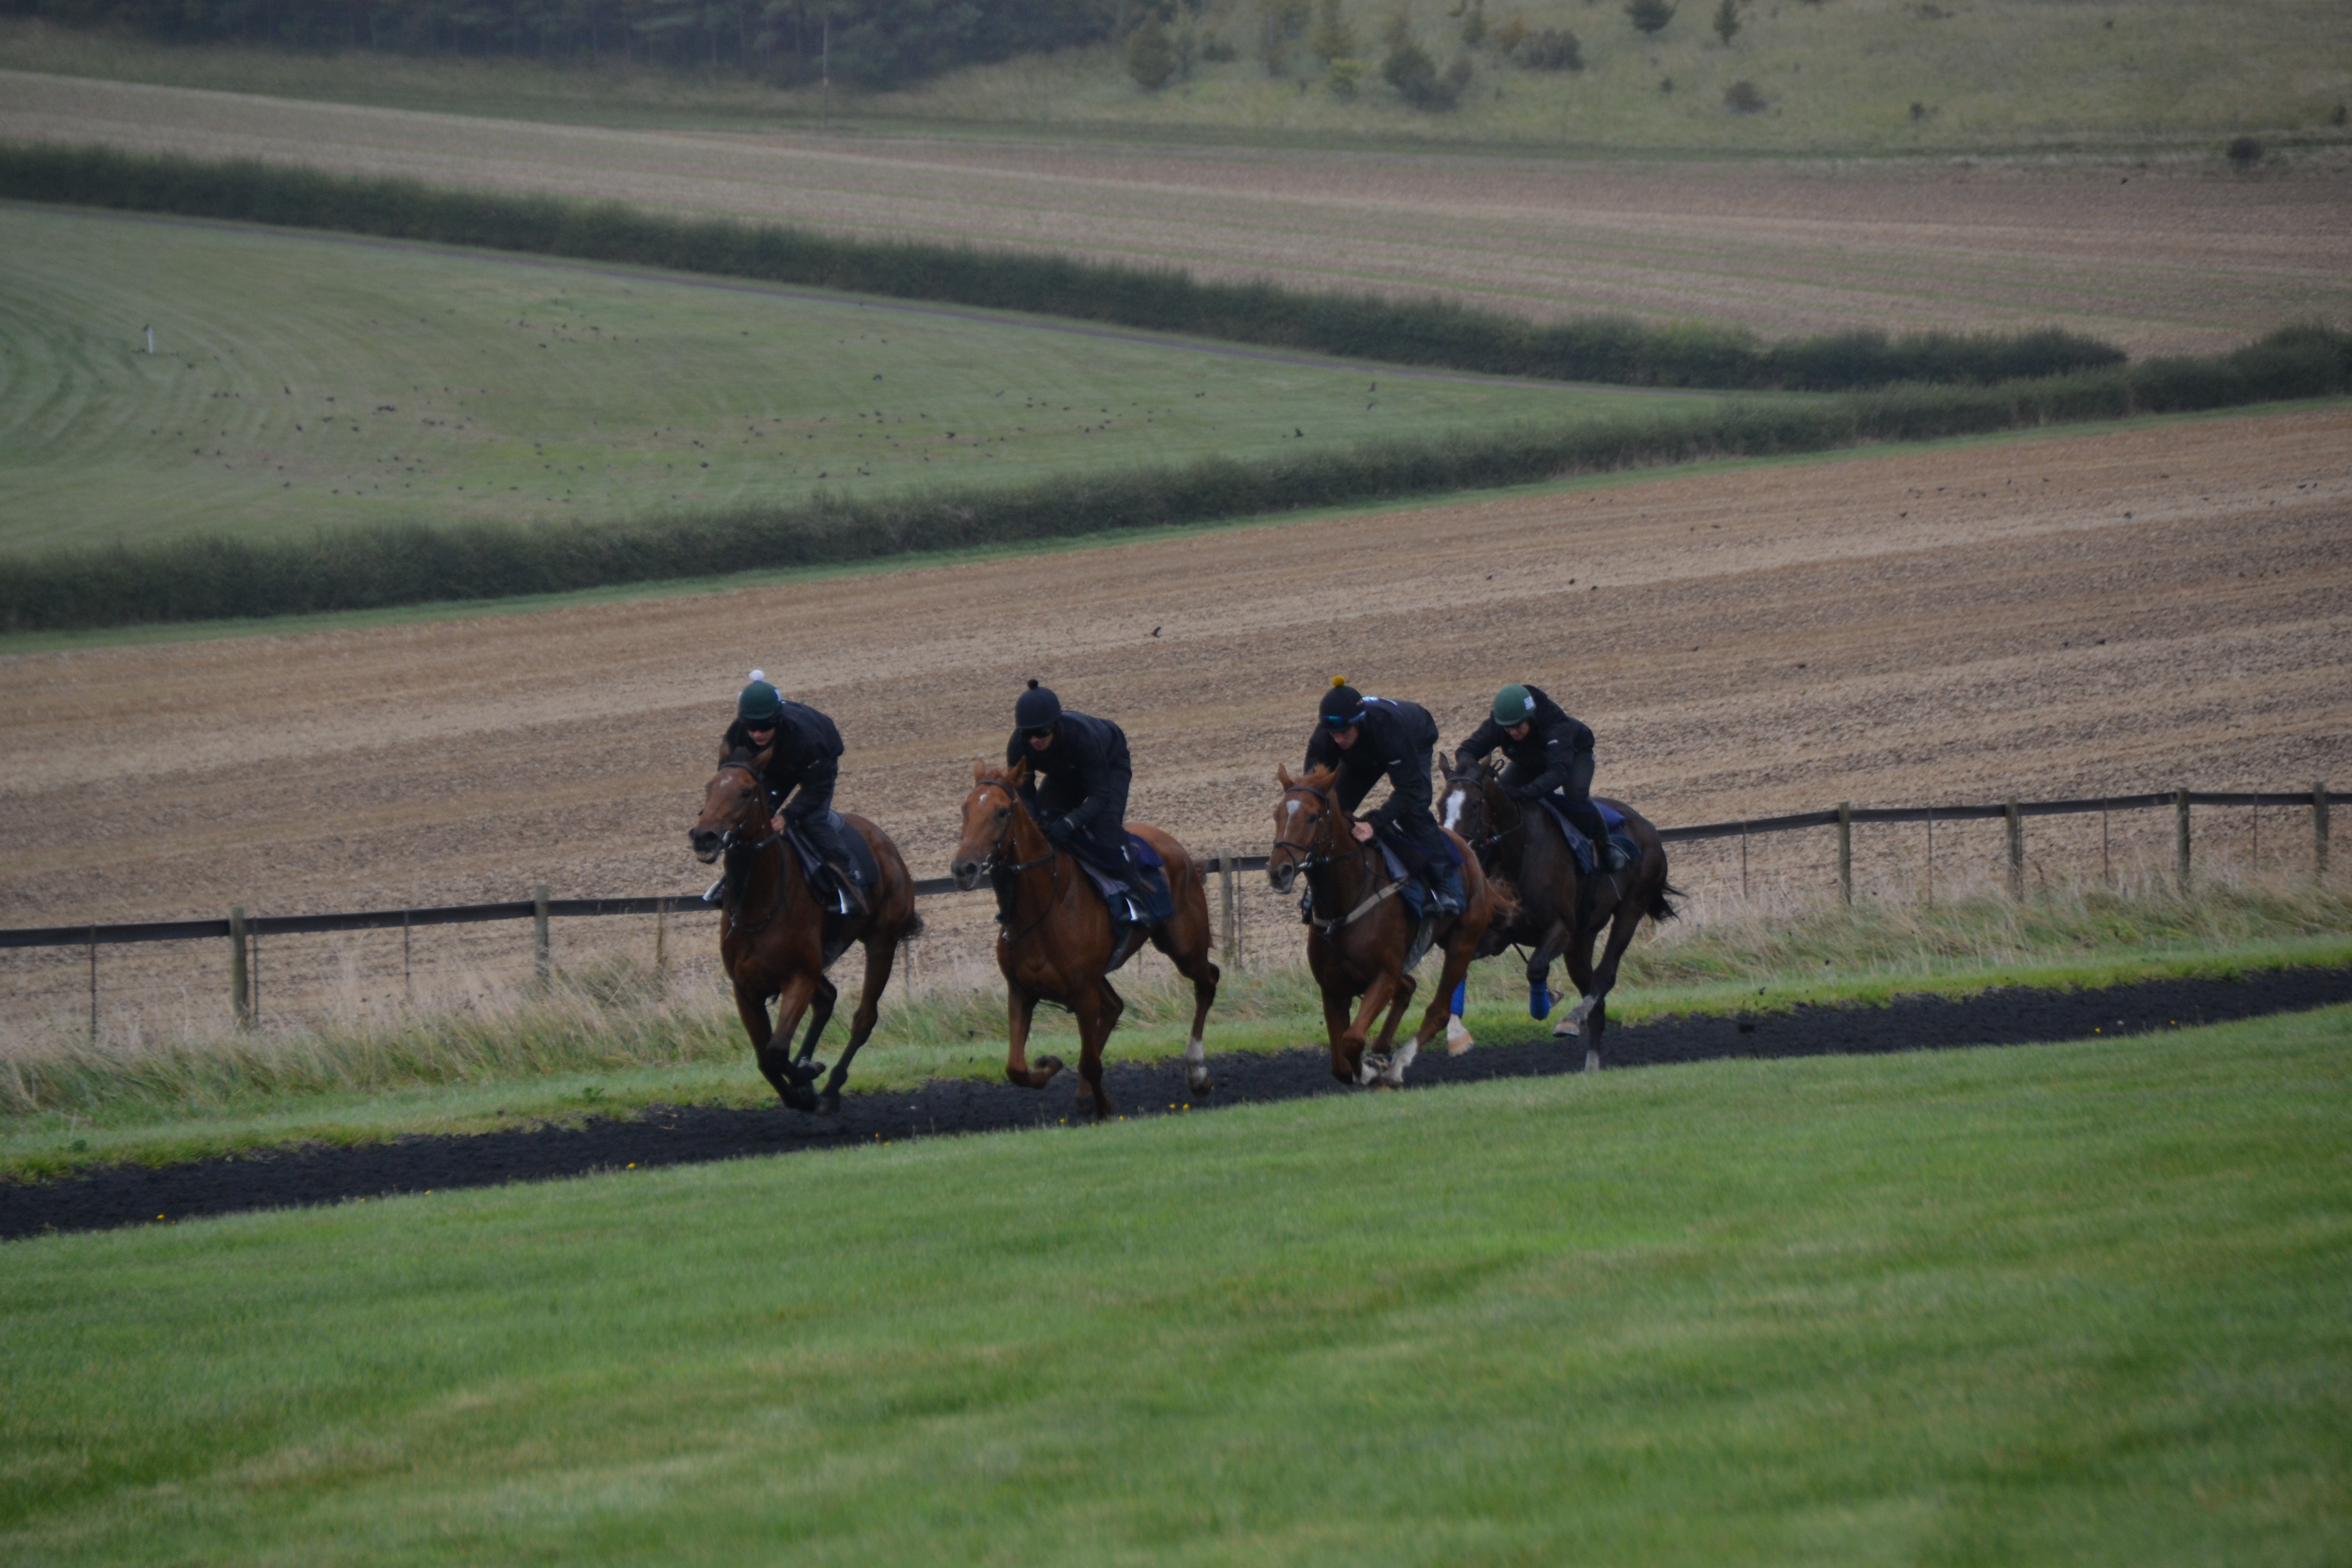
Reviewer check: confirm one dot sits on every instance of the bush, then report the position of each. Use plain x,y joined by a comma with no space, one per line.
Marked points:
1409,70
1150,56
1343,78
2243,153
1741,98
1217,51
1649,16
1553,49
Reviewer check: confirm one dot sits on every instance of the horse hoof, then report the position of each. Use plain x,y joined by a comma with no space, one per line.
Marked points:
1569,1029
829,1103
1458,1038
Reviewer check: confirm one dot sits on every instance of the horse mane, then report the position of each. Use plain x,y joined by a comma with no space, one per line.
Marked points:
739,757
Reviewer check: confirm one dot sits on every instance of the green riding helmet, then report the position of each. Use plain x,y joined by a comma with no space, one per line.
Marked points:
1514,706
760,708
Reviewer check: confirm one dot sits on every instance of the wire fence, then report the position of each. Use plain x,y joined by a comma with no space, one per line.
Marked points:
243,932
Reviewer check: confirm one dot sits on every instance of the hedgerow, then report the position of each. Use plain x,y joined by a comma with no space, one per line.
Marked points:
369,567
1430,331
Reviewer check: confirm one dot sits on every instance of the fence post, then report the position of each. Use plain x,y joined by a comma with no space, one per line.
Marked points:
2318,830
661,945
539,960
2016,850
1225,904
93,985
2180,837
1845,851
240,983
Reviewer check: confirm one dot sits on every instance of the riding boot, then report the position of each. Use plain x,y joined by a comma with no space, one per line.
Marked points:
1447,886
851,893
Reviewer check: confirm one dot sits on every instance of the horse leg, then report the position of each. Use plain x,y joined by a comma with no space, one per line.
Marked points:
775,1061
1407,984
820,1015
1579,951
752,1008
1555,941
1018,1006
1459,952
1622,928
1098,1016
1350,1049
1193,963
1335,1029
880,956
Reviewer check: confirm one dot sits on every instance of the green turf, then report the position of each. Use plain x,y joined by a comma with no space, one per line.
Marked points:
303,382
603,1044
2079,1304
17,643
1991,75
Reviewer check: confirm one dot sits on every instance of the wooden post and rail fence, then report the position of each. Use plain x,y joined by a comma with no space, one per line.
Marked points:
244,933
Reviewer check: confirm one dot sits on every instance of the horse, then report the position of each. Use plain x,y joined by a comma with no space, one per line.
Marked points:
778,936
1559,909
1056,942
1362,941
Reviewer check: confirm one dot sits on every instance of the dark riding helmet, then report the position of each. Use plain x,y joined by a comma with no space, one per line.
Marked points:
1342,705
1513,705
759,708
1036,709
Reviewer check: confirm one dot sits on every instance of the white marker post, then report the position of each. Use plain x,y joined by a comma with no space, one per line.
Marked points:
150,340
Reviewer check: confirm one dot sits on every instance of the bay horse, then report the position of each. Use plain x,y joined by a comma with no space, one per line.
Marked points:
1559,910
1056,942
1362,934
778,936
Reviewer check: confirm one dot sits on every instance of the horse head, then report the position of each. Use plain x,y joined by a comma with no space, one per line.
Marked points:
992,815
1463,805
734,804
1306,823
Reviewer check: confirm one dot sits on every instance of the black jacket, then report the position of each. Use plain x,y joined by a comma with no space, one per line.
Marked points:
1081,780
1394,739
805,755
1554,743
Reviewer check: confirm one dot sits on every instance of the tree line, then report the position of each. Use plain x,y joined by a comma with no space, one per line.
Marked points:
873,43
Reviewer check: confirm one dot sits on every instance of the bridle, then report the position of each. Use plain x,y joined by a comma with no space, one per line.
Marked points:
1302,860
1000,875
732,841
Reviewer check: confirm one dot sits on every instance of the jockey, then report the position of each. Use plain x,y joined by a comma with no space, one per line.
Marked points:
1365,737
1078,779
803,755
1548,752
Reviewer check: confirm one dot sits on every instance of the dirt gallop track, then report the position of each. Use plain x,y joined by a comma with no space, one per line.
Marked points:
2173,258
2069,615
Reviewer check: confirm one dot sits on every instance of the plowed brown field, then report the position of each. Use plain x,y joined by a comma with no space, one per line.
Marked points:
2162,259
2059,616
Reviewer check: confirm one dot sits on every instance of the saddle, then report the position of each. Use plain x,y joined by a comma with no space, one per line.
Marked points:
1582,847
860,870
1143,900
1407,864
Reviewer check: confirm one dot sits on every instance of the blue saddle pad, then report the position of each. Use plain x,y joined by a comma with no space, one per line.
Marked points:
1145,855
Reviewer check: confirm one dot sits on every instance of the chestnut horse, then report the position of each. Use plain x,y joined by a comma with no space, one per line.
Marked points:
1055,942
778,935
1561,910
1361,933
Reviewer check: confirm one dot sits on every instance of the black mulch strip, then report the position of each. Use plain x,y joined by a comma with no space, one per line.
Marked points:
677,1135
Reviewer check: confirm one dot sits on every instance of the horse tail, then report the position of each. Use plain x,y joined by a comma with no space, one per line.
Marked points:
915,928
1504,900
1662,905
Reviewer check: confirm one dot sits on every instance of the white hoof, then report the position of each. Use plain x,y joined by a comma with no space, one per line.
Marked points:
1458,1038
1566,1029
1370,1068
1591,1060
1196,1065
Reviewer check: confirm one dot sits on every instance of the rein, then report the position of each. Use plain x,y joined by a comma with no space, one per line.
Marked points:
1302,860
731,843
995,869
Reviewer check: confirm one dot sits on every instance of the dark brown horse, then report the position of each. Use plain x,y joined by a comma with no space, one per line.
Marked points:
778,935
1056,942
1561,910
1362,940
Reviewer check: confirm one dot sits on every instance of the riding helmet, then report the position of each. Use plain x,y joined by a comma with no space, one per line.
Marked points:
1036,709
759,708
1513,706
1342,705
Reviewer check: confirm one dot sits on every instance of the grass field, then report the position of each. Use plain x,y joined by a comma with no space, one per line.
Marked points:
2078,1303
617,1037
1877,77
303,382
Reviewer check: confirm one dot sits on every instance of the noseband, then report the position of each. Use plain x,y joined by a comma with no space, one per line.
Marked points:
993,863
1302,858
